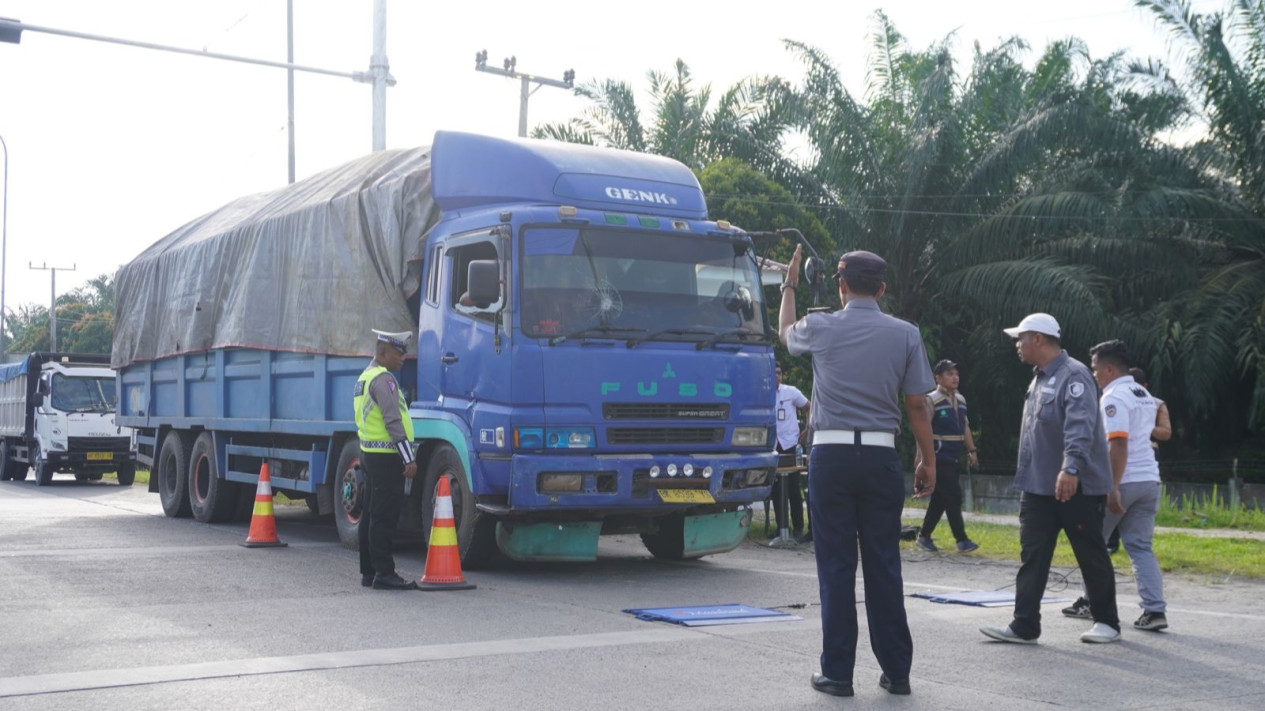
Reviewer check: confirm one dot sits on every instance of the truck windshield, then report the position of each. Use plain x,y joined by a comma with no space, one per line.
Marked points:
83,394
637,286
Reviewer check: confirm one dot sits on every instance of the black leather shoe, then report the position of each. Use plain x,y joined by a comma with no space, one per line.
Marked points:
827,685
391,581
899,686
366,580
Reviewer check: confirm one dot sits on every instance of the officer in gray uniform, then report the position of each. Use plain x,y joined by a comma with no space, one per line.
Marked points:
1065,476
864,361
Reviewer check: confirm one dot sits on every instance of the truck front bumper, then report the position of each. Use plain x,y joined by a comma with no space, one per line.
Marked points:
83,461
622,482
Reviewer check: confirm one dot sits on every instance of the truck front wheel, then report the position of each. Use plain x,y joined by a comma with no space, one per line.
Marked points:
211,499
476,532
172,470
43,470
348,495
667,542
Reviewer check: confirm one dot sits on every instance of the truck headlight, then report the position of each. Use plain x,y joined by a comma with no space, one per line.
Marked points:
751,436
554,438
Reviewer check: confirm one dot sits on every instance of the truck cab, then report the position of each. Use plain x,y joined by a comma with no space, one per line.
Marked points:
596,351
66,421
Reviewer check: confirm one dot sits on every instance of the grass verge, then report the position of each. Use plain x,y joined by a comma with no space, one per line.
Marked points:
1178,553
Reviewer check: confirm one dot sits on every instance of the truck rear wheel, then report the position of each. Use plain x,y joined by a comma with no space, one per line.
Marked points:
476,532
10,468
126,474
211,499
347,494
172,470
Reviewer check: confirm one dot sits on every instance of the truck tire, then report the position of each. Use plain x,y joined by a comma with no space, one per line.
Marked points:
476,532
172,470
9,468
347,495
126,474
668,542
6,467
211,499
43,471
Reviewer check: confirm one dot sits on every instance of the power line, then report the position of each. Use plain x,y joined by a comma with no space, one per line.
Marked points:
981,215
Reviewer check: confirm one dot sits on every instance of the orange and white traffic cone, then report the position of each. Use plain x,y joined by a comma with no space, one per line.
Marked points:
263,524
443,558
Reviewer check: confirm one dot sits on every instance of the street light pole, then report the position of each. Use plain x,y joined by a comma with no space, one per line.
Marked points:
379,74
510,70
4,247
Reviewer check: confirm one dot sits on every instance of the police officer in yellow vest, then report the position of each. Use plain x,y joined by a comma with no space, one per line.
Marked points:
386,443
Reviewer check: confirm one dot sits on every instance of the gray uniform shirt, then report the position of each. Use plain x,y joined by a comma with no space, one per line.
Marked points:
1062,428
386,393
863,360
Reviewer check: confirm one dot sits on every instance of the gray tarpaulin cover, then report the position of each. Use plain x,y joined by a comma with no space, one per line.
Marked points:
310,267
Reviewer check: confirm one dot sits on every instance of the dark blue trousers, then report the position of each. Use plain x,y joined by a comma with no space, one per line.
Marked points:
856,495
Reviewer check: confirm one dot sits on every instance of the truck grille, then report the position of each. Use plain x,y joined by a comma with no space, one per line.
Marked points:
664,411
665,435
100,444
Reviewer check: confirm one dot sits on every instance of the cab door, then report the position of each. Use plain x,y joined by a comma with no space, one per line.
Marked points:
474,374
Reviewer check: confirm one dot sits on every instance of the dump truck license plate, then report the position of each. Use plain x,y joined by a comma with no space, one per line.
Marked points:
98,456
686,496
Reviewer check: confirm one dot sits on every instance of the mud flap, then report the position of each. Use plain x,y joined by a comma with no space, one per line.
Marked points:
715,533
573,541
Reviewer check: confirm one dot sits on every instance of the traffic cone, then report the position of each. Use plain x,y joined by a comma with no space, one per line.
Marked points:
443,558
263,525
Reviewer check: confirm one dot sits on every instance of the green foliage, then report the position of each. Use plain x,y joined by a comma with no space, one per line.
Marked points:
85,321
1010,186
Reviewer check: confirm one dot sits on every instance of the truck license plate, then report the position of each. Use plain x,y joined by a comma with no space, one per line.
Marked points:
686,496
99,456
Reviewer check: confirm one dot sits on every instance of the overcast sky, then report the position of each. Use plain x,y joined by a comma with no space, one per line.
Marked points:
111,147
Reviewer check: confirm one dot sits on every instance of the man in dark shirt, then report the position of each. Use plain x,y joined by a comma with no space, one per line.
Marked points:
1065,476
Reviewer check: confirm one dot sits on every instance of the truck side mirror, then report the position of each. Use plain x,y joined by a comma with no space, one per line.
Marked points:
483,282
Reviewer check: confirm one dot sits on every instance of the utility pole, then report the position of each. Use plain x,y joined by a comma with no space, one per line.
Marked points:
52,304
510,70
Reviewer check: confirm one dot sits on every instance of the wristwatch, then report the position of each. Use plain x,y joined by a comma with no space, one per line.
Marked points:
788,285
1073,471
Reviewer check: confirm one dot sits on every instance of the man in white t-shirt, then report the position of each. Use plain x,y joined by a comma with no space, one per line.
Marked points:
789,401
1128,412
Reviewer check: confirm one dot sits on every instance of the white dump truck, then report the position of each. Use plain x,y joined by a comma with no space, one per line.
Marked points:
57,415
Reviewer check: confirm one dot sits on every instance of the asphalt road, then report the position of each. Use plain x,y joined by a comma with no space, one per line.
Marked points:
106,604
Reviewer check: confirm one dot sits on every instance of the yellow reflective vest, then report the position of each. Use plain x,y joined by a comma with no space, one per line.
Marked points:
370,427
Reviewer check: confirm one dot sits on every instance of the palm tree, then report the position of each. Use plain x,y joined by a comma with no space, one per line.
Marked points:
1221,334
1010,191
747,121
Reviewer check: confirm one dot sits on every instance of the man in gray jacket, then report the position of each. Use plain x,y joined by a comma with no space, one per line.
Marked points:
1065,476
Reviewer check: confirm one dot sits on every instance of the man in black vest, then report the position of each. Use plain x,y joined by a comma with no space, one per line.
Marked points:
951,431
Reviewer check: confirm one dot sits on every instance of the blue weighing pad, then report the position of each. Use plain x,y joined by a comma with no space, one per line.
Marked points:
705,615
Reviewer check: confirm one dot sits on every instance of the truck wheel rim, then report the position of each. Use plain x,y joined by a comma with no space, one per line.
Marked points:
201,478
347,493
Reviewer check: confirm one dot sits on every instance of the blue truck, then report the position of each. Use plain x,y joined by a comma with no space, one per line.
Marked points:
593,354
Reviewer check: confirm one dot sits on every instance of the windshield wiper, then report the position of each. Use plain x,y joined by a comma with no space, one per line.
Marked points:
669,332
592,331
740,333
